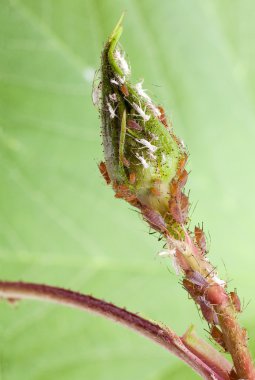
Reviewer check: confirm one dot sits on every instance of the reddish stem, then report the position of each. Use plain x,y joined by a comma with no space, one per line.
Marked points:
159,334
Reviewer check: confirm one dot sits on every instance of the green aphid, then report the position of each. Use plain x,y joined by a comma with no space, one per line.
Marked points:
141,152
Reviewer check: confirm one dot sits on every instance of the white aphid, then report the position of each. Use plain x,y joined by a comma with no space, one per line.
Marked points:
142,92
111,111
153,137
96,92
155,110
143,161
163,158
172,254
167,252
113,97
122,62
152,148
152,156
121,79
96,89
113,81
218,281
141,112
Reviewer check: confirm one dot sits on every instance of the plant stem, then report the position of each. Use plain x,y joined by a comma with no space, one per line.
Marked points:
159,334
235,338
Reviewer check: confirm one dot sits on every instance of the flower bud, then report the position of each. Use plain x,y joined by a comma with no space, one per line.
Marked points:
142,154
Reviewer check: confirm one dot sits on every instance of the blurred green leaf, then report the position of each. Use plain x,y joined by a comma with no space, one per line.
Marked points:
60,224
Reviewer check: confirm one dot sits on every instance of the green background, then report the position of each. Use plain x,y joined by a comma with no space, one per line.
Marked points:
60,224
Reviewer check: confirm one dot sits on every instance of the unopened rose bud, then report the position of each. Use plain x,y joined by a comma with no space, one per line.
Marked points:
142,155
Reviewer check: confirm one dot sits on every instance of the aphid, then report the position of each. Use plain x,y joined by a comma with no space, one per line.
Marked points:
141,112
132,178
96,89
155,191
216,295
113,97
152,156
172,254
174,189
207,310
179,207
132,124
197,279
167,253
141,91
154,109
104,172
96,93
180,258
194,283
217,335
143,161
124,90
218,280
174,209
182,180
182,164
122,62
147,144
154,219
114,81
162,116
200,239
125,162
123,192
121,79
192,289
184,207
235,301
190,243
111,111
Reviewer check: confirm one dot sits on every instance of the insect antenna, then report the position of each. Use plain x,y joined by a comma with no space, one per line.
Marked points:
248,303
193,210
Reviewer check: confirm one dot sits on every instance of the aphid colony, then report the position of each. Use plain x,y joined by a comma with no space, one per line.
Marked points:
144,160
145,164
